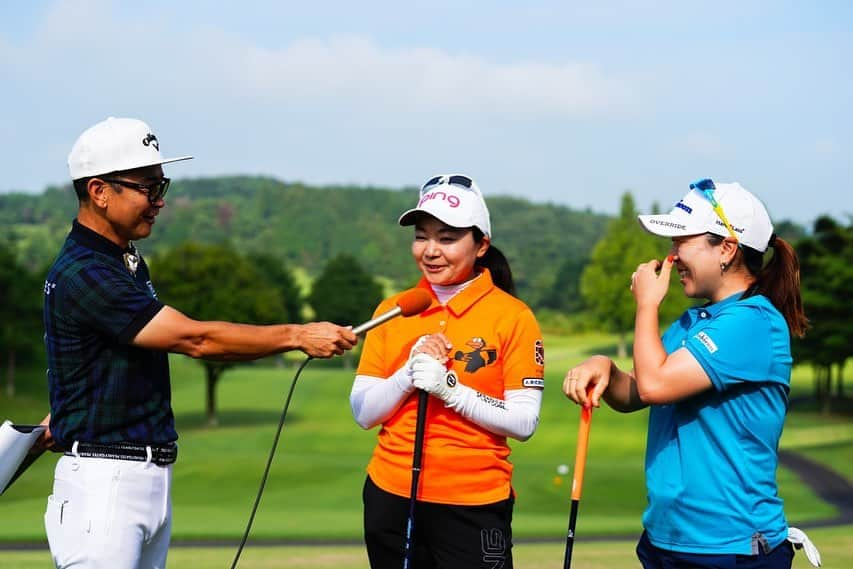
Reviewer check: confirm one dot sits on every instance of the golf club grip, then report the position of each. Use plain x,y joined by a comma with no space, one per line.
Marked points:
420,427
580,455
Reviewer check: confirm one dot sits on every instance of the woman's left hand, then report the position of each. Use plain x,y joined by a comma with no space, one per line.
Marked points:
437,345
648,286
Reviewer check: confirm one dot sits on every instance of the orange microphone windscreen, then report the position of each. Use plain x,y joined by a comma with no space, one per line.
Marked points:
414,301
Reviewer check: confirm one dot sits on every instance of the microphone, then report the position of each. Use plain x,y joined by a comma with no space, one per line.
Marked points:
413,301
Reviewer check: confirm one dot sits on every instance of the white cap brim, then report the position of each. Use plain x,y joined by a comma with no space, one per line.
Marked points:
178,159
666,225
409,217
78,173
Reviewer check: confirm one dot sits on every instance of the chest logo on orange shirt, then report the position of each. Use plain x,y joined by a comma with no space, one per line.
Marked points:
479,357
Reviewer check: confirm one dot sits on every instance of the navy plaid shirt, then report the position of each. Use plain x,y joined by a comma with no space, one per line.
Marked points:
102,388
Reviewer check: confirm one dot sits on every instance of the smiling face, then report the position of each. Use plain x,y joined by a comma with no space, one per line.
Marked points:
446,255
125,213
698,263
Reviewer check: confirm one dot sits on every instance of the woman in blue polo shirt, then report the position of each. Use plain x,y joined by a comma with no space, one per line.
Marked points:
717,384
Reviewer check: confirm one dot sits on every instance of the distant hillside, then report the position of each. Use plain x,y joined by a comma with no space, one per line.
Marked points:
305,226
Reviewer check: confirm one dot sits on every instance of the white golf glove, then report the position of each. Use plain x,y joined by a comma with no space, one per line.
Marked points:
403,376
432,376
801,541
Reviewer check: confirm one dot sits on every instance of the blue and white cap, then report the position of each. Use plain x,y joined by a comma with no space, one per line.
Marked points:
694,214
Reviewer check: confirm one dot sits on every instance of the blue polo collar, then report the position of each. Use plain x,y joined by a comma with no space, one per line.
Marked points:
711,309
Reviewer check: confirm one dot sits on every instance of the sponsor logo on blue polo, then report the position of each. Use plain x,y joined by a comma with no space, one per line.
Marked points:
706,341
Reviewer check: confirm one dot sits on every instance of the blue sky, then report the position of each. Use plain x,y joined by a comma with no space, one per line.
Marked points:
554,101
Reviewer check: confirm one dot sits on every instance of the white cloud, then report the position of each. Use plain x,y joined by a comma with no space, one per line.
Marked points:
84,40
357,71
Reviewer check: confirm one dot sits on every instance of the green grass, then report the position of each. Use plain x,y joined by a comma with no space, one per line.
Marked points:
315,485
835,544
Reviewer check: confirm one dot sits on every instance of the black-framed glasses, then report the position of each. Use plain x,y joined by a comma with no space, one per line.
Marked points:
454,180
154,190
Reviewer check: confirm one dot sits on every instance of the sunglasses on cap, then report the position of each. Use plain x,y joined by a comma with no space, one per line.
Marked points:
706,186
154,190
455,180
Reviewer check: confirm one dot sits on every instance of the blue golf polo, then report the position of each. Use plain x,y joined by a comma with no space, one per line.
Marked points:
711,459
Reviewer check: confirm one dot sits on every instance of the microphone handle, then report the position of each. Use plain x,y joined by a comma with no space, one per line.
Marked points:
381,319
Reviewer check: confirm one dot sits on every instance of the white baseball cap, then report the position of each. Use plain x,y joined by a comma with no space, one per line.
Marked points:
115,145
695,214
453,199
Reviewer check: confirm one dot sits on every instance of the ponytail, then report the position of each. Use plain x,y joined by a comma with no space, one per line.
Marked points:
778,280
498,266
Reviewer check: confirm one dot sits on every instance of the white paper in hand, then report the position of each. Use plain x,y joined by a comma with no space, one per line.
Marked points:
15,442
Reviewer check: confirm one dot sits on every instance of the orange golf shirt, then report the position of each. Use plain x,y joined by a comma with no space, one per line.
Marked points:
497,346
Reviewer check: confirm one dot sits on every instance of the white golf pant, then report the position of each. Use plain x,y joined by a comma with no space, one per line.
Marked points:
109,514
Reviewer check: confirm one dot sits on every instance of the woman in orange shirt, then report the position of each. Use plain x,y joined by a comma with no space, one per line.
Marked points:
477,350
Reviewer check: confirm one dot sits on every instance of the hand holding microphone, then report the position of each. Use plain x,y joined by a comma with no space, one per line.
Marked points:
324,339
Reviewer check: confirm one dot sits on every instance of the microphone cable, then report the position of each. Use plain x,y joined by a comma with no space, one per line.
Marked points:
269,460
410,303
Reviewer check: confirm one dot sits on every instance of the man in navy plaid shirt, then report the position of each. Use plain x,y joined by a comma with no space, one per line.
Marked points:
107,336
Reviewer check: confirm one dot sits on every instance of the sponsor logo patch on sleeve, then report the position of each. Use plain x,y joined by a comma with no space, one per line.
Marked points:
539,353
533,382
706,341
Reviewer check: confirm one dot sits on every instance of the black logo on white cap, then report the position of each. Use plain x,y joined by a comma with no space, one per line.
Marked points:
151,140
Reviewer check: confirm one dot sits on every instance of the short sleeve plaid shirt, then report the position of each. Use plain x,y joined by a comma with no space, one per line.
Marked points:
102,388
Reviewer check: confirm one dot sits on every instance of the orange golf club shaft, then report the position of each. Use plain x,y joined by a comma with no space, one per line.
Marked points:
577,481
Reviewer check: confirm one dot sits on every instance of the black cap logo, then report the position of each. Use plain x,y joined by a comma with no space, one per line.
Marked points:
151,140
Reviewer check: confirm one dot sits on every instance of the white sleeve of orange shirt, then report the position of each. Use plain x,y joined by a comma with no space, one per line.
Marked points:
373,399
516,416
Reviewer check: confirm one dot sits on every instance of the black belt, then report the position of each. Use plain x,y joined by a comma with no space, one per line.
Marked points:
160,455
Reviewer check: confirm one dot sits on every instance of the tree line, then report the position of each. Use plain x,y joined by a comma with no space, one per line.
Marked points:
304,226
232,249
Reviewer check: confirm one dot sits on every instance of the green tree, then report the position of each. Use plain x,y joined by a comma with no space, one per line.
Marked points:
278,275
253,212
605,282
20,314
214,282
344,293
565,295
826,278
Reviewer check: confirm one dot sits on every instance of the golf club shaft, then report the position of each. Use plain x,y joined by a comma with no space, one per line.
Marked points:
420,427
577,480
570,537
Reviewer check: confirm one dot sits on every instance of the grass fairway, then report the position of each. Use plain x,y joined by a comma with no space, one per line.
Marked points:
836,547
314,490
